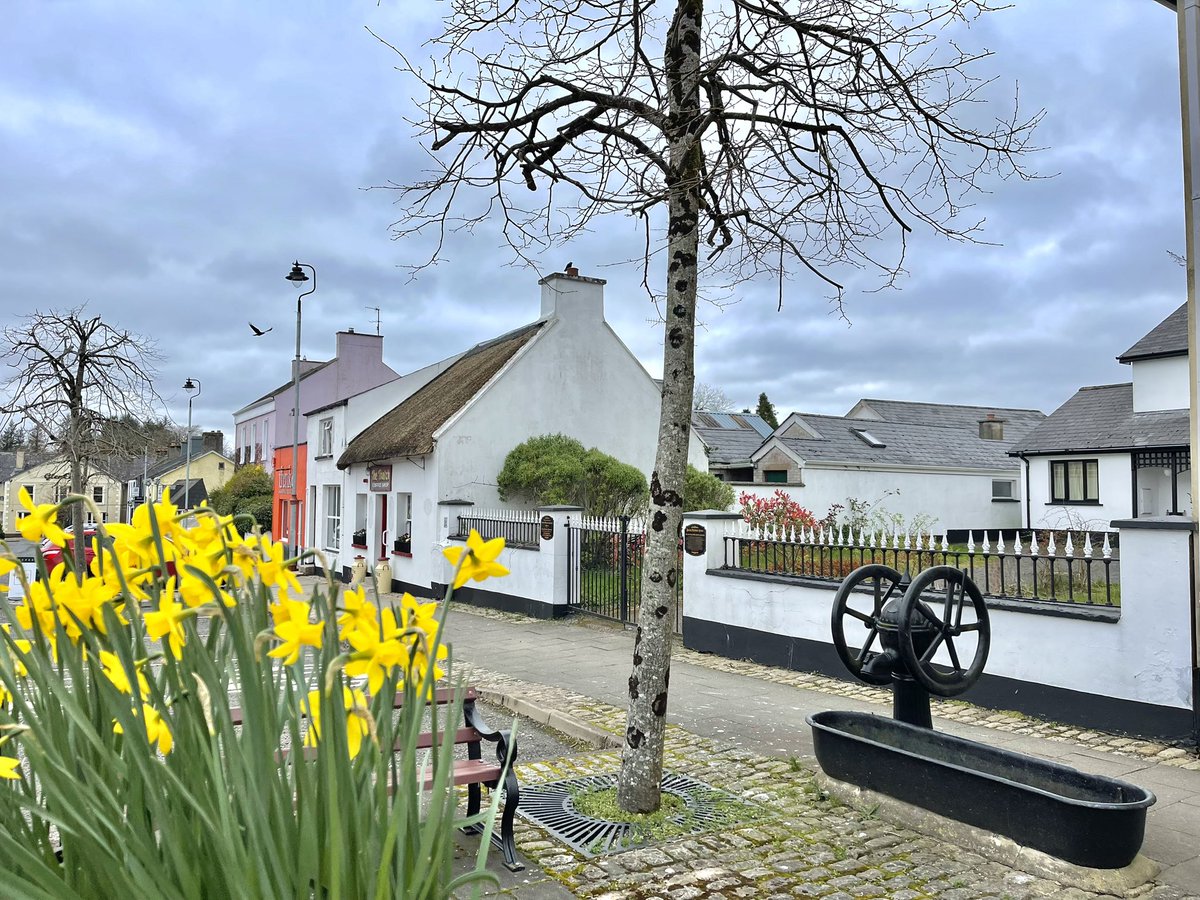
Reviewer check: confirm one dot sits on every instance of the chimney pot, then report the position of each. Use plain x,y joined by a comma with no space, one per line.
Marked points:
572,271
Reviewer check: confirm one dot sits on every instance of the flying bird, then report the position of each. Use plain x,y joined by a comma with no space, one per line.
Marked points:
259,332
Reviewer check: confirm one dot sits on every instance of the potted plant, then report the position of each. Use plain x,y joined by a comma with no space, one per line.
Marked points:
403,544
359,538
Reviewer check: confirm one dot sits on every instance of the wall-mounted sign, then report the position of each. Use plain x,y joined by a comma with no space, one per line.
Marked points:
547,527
695,540
380,477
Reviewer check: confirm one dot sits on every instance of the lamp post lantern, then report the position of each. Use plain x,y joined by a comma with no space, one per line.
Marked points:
297,278
192,387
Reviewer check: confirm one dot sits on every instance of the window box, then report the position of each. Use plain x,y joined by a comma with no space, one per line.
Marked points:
401,553
402,545
359,538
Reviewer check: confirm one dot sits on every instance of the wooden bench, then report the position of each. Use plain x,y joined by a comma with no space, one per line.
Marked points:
474,771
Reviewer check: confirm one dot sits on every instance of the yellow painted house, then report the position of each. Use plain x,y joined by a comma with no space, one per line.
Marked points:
50,481
209,468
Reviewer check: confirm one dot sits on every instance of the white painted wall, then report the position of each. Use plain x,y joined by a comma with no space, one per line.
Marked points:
1144,657
1116,488
576,378
1160,384
955,500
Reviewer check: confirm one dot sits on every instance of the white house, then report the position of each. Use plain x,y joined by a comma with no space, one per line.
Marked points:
944,465
567,372
1117,451
334,519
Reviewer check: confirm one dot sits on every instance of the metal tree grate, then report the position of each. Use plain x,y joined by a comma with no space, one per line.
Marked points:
550,806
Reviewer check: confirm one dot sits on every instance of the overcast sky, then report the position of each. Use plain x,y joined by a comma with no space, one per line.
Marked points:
165,162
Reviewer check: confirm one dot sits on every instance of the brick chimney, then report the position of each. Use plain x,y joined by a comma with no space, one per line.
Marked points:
573,297
991,428
214,440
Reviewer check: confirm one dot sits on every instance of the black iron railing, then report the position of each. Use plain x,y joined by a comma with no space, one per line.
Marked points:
519,528
1049,566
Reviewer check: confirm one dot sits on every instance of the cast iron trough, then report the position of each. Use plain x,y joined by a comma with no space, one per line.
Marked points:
1088,820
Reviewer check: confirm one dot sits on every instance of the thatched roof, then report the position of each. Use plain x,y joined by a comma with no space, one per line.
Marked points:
408,429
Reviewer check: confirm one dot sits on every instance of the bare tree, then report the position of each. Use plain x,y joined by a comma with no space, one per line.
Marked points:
784,135
710,398
78,381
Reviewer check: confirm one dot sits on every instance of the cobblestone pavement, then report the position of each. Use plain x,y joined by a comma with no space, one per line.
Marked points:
806,845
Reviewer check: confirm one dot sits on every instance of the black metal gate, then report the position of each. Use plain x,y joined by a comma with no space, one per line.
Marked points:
604,569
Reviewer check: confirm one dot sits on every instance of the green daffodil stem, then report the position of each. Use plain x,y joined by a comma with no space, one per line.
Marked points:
331,672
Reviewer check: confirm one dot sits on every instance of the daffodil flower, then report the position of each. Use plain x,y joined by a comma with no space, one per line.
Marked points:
157,730
294,630
355,704
40,521
360,614
114,669
9,768
273,570
480,562
167,620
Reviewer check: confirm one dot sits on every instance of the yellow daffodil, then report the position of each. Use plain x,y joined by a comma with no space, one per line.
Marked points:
194,590
359,612
18,663
480,562
115,672
157,730
273,570
7,564
40,521
167,620
294,630
10,768
378,650
357,712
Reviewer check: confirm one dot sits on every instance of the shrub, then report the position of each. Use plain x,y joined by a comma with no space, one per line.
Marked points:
779,511
704,491
555,468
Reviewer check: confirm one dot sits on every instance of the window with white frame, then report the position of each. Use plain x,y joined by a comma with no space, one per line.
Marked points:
98,493
325,442
404,523
1003,489
29,490
60,491
333,516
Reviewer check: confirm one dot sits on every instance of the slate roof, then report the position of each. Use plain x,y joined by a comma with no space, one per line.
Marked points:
730,437
1168,338
408,429
287,384
905,444
1017,422
1101,417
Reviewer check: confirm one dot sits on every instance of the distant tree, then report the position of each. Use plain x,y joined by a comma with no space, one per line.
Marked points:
248,492
766,410
73,373
12,437
704,491
555,468
709,398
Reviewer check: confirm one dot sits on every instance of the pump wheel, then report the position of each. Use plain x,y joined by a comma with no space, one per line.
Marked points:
941,612
861,596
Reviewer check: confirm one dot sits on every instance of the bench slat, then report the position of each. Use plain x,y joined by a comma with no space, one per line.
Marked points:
462,736
471,771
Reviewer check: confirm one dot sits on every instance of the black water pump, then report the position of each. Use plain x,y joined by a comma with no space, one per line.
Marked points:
914,622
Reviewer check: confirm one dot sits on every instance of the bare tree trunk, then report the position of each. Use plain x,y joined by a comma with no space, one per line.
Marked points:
641,760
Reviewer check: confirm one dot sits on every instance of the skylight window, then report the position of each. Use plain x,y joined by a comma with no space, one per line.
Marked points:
867,438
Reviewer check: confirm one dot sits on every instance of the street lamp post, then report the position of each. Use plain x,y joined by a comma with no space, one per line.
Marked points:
192,387
298,278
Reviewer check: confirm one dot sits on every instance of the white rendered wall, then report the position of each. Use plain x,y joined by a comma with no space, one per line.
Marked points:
1116,488
576,378
1145,657
953,500
1160,384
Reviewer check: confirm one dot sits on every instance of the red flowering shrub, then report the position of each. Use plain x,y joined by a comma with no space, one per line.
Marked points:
778,511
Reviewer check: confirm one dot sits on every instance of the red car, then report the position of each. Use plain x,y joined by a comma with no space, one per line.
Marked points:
53,554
